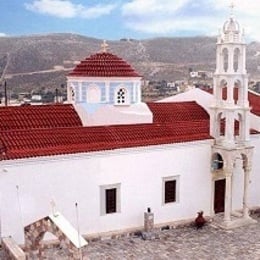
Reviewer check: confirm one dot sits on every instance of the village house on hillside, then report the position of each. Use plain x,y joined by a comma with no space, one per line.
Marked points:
116,156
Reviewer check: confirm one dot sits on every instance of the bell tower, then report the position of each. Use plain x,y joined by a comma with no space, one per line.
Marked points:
229,121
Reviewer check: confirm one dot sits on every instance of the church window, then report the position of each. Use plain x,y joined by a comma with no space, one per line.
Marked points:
170,189
225,59
224,93
238,128
223,122
110,199
72,94
237,91
121,96
236,59
217,162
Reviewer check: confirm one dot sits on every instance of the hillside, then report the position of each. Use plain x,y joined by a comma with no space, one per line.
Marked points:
42,62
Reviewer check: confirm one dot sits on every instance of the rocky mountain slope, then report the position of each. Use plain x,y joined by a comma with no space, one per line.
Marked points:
43,61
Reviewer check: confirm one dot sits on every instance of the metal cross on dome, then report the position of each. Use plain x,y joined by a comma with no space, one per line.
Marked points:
104,46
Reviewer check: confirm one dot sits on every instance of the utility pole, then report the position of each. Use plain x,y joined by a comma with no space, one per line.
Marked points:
56,95
5,92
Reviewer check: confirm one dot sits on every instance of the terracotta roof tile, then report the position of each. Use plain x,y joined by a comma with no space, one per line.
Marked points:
50,135
104,65
44,116
177,111
254,101
40,142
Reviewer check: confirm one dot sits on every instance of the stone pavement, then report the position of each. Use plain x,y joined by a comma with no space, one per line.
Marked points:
183,243
208,243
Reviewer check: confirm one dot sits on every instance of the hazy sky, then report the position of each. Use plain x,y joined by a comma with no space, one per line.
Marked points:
115,19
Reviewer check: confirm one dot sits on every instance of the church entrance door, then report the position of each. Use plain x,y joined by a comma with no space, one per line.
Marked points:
219,198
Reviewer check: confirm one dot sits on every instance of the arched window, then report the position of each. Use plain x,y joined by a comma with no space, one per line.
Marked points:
237,126
236,59
223,85
225,59
221,124
237,92
217,162
121,96
72,93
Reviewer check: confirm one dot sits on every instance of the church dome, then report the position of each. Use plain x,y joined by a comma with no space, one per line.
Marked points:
231,25
104,64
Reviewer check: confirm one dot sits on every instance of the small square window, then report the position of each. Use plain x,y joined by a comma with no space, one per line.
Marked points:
110,199
170,190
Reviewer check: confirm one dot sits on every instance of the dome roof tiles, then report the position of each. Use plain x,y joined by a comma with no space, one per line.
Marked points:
104,64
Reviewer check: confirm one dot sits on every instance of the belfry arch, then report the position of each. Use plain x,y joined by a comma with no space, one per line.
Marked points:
236,60
223,88
223,165
225,56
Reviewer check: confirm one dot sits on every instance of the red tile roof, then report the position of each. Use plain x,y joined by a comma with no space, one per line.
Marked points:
39,140
104,64
177,111
254,101
43,116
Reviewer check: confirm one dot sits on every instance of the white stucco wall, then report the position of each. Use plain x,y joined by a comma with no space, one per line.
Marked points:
203,98
70,179
77,178
100,115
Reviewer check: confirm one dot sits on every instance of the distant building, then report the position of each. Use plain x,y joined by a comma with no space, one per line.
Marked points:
201,74
36,98
173,86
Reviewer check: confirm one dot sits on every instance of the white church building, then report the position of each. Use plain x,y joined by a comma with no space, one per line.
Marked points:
116,156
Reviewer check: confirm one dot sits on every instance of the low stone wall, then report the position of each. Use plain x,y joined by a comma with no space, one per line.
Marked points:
11,250
131,232
34,234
